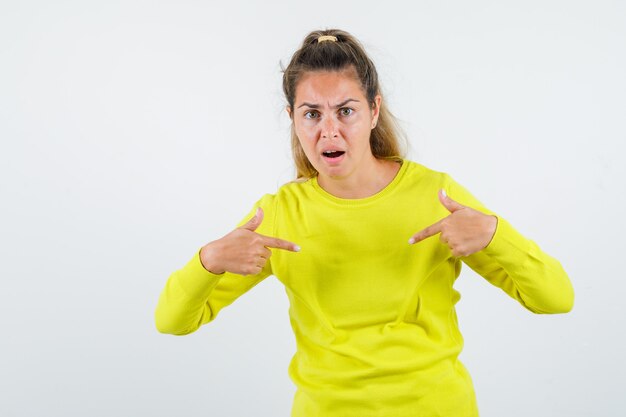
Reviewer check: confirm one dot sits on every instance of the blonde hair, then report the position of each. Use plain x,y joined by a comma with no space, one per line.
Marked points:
340,55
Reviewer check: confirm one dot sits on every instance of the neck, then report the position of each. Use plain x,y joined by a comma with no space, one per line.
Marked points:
362,184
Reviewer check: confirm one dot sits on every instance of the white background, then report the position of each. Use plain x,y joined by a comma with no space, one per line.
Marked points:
134,132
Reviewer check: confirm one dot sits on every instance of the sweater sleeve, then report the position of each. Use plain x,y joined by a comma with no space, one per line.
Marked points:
517,264
193,296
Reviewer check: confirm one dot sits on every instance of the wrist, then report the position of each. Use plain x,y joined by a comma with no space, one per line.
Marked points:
492,227
207,259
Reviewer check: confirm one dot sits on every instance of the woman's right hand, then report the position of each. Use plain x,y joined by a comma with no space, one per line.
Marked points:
242,251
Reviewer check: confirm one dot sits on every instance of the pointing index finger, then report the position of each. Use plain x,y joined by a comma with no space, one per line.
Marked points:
429,231
273,242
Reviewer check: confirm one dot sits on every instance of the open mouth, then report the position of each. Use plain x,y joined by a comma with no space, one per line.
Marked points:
332,154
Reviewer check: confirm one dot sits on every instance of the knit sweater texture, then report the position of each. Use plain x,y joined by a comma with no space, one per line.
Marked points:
373,317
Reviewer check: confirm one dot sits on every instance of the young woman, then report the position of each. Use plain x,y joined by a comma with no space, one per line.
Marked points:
368,246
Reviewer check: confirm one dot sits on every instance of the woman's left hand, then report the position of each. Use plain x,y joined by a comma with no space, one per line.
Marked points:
465,230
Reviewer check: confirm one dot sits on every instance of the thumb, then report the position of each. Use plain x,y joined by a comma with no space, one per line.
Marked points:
449,203
255,221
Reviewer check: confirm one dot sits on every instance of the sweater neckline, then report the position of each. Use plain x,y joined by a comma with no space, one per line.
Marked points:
366,200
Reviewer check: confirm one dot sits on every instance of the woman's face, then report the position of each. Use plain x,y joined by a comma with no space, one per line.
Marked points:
333,122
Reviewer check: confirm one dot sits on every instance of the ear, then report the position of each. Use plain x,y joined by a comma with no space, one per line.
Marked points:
288,108
376,110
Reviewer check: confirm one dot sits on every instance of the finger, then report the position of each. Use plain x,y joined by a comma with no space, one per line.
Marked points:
427,232
448,202
273,242
252,270
255,221
265,253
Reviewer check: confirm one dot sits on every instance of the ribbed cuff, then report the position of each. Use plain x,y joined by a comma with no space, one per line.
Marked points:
195,280
507,244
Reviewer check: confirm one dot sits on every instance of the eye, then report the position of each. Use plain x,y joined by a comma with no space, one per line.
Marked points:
311,114
346,111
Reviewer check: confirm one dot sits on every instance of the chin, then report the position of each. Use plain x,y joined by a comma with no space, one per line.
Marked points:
334,172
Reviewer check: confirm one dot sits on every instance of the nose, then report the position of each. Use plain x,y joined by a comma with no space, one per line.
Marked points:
329,128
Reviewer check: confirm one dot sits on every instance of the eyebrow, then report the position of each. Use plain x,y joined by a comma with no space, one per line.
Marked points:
317,106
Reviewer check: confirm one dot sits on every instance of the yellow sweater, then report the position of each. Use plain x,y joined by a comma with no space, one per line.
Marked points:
373,316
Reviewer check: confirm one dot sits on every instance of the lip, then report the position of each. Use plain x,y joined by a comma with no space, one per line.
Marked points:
332,150
334,161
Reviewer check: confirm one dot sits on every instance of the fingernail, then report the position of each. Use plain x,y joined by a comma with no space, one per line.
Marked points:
411,241
296,248
444,192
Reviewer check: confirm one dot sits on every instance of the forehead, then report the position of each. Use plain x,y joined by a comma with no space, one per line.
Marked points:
328,87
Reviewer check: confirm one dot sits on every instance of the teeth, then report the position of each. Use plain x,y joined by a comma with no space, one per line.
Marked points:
333,154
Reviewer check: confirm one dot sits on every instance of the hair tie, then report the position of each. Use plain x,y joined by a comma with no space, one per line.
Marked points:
326,38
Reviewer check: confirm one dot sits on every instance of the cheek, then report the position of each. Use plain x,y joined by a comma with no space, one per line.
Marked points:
306,135
358,135
307,144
